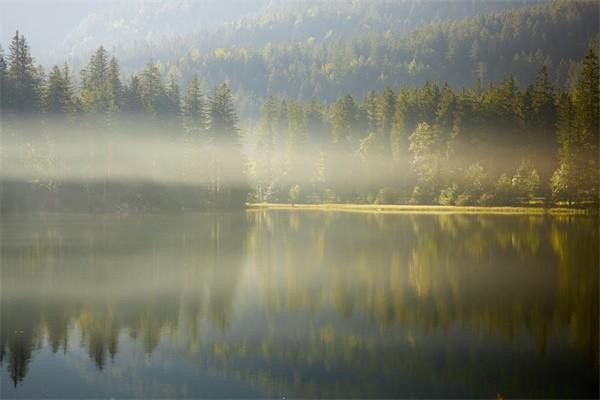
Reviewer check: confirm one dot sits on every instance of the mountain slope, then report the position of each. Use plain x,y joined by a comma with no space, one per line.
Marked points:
488,47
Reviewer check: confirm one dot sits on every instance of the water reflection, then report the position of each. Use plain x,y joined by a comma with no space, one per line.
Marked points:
273,303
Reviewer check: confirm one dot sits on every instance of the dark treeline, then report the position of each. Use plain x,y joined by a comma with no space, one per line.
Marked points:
494,144
41,111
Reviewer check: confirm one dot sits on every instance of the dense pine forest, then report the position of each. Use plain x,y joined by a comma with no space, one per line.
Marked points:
511,118
326,49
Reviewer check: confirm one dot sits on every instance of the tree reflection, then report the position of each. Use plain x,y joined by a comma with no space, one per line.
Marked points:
338,299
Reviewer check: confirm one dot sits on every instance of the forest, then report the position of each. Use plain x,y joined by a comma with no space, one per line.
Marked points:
320,49
512,126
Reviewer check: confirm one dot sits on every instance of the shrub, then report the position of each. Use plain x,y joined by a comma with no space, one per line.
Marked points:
385,196
463,200
448,195
294,193
486,199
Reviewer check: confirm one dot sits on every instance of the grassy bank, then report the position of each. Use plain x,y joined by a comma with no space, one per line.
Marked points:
422,209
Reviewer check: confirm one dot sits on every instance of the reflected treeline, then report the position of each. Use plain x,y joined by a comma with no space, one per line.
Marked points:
106,274
314,303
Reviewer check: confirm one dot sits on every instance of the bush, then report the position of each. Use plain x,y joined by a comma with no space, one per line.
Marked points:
504,191
385,196
464,200
422,195
294,193
486,199
447,195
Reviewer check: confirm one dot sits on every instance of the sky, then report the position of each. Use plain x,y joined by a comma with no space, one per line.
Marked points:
54,28
44,22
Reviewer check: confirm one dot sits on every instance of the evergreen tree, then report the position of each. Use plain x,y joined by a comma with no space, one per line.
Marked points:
115,86
96,90
23,94
315,125
343,118
386,107
265,154
543,108
152,89
577,175
425,162
586,100
132,97
222,116
173,97
370,108
227,180
57,94
194,107
4,88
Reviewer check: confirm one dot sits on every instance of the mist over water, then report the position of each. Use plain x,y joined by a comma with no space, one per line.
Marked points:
62,158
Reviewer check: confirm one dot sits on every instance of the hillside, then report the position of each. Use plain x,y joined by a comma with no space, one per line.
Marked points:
271,55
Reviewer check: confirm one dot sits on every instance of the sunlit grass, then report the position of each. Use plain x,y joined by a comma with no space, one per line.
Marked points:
422,209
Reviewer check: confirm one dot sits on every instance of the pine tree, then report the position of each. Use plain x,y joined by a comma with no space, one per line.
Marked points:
343,118
386,106
543,107
586,114
222,116
173,97
132,97
4,88
426,163
576,178
227,182
152,89
115,86
446,110
315,126
57,95
70,98
194,108
586,99
24,94
265,150
96,87
370,107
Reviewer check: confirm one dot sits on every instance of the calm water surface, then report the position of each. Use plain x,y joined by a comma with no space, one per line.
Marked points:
298,304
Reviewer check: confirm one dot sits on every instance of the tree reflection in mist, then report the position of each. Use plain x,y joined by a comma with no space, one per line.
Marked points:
364,295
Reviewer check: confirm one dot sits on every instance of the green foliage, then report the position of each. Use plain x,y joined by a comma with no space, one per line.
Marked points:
577,176
426,144
294,193
222,116
58,94
385,196
504,190
475,179
22,81
295,53
97,80
448,195
194,107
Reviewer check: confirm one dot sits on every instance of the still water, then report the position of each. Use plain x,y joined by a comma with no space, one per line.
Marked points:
298,304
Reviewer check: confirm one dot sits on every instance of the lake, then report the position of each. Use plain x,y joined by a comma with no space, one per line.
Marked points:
275,303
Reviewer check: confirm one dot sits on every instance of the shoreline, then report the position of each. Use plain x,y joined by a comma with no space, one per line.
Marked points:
418,209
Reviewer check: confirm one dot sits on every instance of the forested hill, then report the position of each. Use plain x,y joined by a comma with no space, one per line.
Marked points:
325,64
169,30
